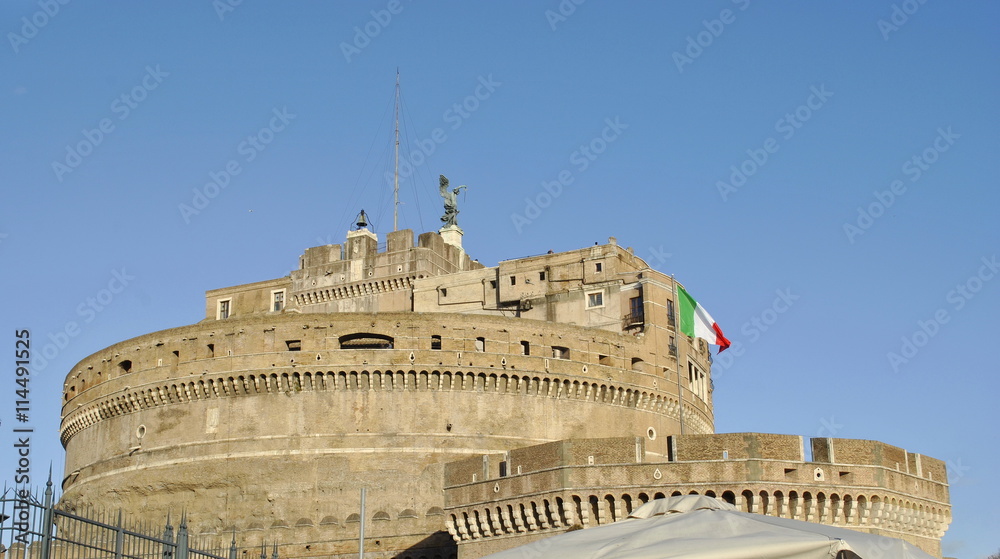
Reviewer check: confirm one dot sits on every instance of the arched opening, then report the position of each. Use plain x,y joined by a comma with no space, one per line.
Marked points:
364,340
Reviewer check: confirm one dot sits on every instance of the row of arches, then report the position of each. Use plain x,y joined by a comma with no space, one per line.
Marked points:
851,511
289,382
354,290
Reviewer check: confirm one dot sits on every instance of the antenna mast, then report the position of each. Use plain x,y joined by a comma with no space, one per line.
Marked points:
395,188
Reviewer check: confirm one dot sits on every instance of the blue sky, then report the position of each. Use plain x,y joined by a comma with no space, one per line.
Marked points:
821,177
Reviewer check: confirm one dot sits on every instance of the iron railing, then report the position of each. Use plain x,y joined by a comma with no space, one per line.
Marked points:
33,529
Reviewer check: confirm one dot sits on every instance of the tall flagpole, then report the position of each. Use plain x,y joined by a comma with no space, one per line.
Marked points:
678,333
395,187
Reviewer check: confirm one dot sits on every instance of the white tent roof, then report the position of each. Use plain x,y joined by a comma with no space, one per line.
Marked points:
701,527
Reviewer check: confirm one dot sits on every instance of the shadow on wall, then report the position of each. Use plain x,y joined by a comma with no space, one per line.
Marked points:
438,545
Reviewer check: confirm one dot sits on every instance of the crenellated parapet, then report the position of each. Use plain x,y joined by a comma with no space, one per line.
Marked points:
551,488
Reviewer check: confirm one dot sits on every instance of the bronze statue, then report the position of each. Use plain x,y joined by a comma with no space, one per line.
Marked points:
450,216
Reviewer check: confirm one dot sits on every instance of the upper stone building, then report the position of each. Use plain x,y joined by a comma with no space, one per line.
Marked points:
378,368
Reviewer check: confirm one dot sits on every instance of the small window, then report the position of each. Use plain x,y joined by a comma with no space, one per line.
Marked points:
126,366
604,360
600,267
503,468
224,309
480,344
444,291
513,280
560,352
541,276
525,347
277,300
493,284
211,350
435,342
293,345
595,300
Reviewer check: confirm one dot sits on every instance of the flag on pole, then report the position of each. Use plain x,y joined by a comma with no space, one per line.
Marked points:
696,322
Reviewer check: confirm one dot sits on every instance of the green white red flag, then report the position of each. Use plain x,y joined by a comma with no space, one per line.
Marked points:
697,323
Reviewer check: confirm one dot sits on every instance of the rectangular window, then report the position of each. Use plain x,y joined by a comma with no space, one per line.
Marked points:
525,348
293,345
444,291
604,360
670,313
600,267
493,284
480,344
541,276
224,309
635,306
277,300
435,342
560,352
513,280
595,299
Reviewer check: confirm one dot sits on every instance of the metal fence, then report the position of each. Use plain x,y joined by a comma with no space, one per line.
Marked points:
33,529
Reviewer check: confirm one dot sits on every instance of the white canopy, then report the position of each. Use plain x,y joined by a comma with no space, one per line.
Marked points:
700,527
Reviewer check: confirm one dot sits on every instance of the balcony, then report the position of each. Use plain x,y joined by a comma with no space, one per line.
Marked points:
632,320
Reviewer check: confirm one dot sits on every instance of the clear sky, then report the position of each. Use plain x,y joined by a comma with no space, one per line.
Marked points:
823,177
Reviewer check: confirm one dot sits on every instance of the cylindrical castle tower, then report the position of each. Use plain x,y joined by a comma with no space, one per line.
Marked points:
270,423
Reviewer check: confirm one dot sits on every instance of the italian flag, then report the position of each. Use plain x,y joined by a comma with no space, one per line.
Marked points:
696,322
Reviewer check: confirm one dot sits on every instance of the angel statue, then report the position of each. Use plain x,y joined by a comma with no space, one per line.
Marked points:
450,202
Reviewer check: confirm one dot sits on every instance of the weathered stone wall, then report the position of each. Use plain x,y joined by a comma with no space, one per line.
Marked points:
267,423
565,492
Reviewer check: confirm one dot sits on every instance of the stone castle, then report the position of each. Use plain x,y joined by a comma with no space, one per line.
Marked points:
480,407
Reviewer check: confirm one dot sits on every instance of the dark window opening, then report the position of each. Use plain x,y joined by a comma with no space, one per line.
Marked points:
435,342
480,344
541,276
604,360
513,280
503,468
279,301
600,266
211,350
126,365
224,309
493,284
363,340
294,345
560,352
525,347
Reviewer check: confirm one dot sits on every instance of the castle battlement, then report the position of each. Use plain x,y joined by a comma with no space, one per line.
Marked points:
556,486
